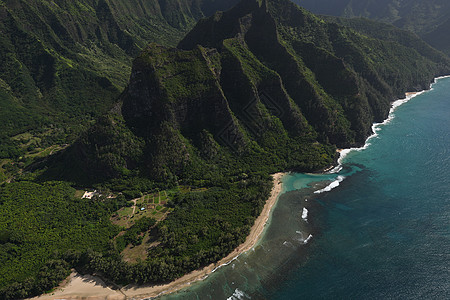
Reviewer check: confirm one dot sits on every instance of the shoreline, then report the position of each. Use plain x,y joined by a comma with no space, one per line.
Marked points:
375,126
343,152
89,287
93,288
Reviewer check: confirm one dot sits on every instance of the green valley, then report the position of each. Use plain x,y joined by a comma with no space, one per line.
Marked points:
63,65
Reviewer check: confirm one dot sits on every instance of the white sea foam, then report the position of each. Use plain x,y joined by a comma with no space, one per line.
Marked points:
238,295
225,264
305,214
442,77
436,80
308,239
288,244
331,186
377,126
300,237
336,169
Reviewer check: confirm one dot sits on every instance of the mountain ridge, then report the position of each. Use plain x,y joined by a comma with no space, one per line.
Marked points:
64,63
292,52
428,19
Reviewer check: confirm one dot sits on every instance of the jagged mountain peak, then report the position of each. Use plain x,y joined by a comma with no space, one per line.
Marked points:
265,80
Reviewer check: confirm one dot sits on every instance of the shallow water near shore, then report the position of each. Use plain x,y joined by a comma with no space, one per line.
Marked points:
379,228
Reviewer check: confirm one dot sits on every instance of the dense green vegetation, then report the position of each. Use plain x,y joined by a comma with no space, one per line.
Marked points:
39,222
45,231
429,19
263,87
205,226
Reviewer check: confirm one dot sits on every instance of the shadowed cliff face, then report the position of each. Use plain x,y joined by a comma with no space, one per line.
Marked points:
178,87
265,81
337,77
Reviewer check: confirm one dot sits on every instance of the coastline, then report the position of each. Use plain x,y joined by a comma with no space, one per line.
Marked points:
93,288
375,126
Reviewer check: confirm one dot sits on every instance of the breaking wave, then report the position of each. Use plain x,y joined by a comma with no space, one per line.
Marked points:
238,295
305,214
308,239
331,186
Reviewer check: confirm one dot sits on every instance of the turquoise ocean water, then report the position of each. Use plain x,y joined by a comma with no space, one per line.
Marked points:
378,228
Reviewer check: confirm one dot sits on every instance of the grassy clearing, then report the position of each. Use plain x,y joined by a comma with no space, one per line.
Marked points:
45,152
27,136
79,194
31,146
134,254
149,205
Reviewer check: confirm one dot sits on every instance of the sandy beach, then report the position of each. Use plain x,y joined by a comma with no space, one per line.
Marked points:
93,288
83,287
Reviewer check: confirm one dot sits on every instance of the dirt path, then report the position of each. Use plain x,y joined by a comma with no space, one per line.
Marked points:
134,209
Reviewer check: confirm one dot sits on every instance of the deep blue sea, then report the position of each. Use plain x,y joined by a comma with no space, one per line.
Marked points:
377,229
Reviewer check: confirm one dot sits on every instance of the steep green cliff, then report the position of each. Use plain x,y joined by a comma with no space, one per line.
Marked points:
429,19
265,77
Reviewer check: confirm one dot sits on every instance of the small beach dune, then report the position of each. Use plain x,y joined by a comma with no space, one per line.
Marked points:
92,288
85,287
